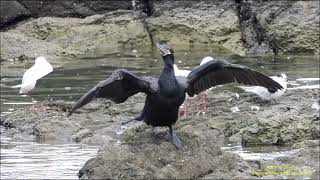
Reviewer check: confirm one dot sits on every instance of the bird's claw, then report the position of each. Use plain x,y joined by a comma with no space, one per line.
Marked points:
173,138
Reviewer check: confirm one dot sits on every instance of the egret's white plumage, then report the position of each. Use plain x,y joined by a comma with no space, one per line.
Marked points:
206,59
179,72
263,92
41,68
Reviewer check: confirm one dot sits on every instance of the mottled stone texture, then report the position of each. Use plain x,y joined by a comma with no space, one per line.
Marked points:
71,28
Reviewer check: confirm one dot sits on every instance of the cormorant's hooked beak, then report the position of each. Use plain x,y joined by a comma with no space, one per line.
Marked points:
164,49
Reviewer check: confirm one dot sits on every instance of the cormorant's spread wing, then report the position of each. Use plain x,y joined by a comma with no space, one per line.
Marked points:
217,72
118,87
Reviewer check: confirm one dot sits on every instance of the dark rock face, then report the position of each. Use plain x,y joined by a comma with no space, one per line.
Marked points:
15,11
12,11
73,8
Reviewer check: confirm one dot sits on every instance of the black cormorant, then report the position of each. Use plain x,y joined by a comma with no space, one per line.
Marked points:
166,93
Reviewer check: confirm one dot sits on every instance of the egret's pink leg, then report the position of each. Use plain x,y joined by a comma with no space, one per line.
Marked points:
43,107
185,107
33,107
197,104
205,103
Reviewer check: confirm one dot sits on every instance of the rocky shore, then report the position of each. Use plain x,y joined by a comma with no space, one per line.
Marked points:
73,28
135,153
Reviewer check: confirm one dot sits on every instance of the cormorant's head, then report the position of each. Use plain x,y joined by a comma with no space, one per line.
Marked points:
165,49
167,54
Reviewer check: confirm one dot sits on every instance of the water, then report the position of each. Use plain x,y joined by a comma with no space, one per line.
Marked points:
76,76
260,152
32,160
72,78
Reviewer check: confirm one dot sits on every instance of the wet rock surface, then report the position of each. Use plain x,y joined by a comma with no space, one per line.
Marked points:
139,157
241,27
303,162
70,37
279,26
136,152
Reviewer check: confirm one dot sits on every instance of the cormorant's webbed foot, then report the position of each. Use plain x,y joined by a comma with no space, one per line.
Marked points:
173,138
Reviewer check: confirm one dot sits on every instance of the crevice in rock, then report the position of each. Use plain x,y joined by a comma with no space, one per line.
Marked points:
252,32
147,7
148,32
210,171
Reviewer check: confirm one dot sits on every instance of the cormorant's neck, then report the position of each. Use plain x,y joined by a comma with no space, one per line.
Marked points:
168,60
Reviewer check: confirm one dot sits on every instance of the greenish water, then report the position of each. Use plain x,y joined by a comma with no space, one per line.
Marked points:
73,77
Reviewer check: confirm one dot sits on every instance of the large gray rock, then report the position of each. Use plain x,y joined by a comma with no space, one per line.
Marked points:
11,12
139,157
294,121
196,24
15,11
279,26
73,8
121,30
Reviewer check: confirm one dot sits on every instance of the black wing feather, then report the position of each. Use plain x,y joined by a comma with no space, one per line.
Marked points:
118,87
218,72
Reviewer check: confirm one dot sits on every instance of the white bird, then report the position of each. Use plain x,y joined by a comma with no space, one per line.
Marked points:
179,72
264,93
184,73
41,68
204,61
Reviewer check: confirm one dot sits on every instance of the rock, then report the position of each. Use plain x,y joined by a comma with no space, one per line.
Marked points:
139,157
73,8
43,125
287,32
192,25
15,11
303,162
306,156
276,26
315,175
293,122
11,12
57,37
306,144
82,134
241,27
